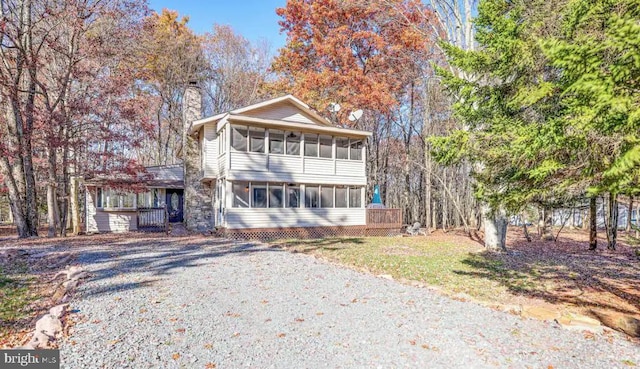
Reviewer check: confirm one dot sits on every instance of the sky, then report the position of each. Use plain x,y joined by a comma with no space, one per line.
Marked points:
256,20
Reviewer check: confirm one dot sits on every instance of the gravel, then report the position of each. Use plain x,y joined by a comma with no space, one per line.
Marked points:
210,303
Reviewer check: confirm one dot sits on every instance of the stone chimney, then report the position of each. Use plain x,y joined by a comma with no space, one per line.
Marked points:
198,210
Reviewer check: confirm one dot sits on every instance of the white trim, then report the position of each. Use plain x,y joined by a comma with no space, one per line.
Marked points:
301,127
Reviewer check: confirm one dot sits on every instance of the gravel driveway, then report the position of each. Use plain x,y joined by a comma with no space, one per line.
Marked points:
203,303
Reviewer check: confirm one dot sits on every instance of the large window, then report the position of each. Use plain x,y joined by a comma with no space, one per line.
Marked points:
341,197
259,199
326,197
241,194
276,142
356,150
149,199
107,198
342,148
239,138
256,140
326,147
276,196
355,199
293,196
310,145
293,143
312,197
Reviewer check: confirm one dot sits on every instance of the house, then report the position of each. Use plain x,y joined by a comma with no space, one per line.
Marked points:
269,170
274,169
111,209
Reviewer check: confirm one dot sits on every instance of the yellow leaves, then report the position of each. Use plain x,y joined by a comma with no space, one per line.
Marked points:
175,356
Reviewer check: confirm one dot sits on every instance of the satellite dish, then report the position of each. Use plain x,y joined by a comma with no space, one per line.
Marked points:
355,115
334,107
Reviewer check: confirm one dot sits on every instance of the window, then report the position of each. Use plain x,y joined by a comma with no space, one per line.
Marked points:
276,142
256,140
342,148
326,194
355,201
276,195
311,197
111,199
241,194
293,196
310,145
293,143
341,197
149,199
99,198
356,150
259,199
222,140
239,138
326,146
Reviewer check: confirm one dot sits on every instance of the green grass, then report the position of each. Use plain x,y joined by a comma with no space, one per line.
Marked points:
456,268
15,296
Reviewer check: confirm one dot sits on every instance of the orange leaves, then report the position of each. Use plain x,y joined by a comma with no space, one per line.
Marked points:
175,356
359,54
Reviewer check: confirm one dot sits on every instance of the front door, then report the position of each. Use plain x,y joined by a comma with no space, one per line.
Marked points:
175,201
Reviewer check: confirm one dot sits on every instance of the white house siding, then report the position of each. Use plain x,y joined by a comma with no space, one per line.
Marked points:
239,218
350,168
107,221
295,169
210,151
282,111
319,166
285,164
248,161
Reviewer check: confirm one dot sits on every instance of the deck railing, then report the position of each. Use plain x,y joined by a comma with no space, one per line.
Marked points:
153,219
384,218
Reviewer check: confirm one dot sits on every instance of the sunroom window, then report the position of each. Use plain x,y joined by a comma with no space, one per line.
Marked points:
341,197
356,150
256,140
276,196
293,143
239,138
342,148
293,196
259,199
312,197
310,145
355,199
276,142
326,146
326,194
241,194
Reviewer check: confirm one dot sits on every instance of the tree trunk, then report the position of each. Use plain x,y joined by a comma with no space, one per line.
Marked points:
75,209
546,222
612,230
495,229
629,211
53,213
593,224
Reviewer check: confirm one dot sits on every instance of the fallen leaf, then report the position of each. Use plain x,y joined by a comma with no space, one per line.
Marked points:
180,330
549,366
96,321
319,313
281,335
175,356
264,301
210,366
173,319
354,301
113,342
143,310
236,334
412,342
299,320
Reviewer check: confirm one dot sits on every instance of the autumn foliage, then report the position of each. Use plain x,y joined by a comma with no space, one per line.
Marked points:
360,54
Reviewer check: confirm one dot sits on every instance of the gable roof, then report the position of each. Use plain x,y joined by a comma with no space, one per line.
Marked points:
311,116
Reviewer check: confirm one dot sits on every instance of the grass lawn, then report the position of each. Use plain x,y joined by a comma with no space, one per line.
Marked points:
449,263
563,275
16,295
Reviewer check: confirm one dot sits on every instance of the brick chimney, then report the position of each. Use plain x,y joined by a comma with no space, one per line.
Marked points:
198,209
